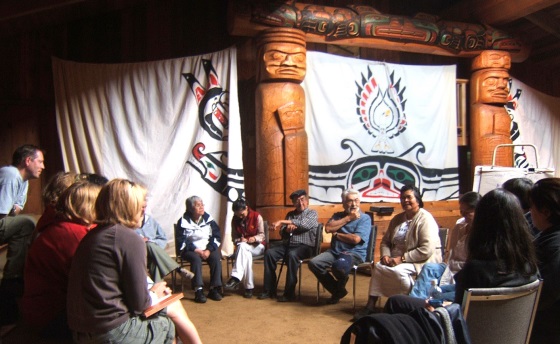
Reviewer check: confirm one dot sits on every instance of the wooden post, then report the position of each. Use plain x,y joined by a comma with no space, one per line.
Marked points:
281,140
490,122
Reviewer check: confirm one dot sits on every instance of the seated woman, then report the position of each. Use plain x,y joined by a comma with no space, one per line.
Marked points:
410,241
48,261
500,251
108,287
51,193
455,258
247,231
545,212
197,238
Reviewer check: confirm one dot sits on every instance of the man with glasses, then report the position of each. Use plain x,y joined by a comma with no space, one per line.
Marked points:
350,236
298,231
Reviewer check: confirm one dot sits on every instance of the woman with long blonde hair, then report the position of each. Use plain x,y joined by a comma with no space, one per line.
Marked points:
108,288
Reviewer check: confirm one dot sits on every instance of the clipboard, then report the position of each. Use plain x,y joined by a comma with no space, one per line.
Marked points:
162,303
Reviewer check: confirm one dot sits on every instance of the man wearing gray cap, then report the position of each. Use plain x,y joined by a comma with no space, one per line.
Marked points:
298,231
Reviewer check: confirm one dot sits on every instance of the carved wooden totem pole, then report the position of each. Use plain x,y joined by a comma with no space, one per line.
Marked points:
490,122
281,140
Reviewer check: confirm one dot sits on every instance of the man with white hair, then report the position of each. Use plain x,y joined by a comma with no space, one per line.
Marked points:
350,236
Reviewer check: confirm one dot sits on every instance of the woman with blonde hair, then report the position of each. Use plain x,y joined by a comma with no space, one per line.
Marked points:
48,260
108,288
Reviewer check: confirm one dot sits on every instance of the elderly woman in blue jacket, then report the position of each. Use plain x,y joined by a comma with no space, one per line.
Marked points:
197,239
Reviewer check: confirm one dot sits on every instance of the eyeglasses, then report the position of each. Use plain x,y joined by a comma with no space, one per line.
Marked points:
352,201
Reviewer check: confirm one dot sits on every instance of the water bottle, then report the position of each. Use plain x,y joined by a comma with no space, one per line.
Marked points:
435,295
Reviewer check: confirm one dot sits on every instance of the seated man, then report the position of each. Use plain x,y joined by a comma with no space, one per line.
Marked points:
16,229
298,230
350,236
160,264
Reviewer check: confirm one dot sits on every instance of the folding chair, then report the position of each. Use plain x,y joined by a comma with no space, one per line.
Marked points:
316,251
501,315
366,264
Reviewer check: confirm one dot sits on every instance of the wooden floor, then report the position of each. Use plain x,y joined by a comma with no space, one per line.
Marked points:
239,320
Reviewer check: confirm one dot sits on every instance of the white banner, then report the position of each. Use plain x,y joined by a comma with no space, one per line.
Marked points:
376,126
535,121
172,125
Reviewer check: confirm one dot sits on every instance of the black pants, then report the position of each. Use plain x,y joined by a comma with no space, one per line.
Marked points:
295,253
214,260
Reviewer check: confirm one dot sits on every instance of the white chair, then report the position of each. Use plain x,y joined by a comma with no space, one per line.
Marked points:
501,315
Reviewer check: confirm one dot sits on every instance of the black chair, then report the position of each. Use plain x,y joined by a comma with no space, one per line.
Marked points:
316,251
183,263
366,264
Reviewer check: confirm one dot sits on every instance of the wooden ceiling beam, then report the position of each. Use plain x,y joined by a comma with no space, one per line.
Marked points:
495,12
545,21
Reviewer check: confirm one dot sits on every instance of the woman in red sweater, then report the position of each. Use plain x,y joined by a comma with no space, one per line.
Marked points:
49,257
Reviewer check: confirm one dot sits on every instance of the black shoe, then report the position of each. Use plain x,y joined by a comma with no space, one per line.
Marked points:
248,293
265,295
232,284
214,294
199,296
337,296
286,298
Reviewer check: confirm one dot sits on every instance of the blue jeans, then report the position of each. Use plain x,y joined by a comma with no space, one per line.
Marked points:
340,267
429,272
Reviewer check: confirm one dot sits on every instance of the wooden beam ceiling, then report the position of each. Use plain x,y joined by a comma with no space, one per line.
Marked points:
495,12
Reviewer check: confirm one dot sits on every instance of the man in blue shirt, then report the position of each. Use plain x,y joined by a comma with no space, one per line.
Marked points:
350,235
15,229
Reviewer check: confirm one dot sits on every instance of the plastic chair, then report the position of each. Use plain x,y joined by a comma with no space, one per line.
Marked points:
501,315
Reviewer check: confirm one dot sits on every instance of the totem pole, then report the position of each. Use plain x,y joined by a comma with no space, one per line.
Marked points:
490,122
281,140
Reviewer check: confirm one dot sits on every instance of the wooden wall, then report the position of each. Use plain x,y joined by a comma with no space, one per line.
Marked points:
143,31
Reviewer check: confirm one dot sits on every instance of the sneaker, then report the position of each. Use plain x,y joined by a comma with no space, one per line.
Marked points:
248,293
199,296
214,294
232,284
186,274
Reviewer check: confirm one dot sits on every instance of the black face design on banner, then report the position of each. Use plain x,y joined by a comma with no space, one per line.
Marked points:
213,102
382,177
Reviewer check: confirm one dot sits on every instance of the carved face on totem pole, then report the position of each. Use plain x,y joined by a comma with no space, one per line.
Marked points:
282,55
493,86
490,77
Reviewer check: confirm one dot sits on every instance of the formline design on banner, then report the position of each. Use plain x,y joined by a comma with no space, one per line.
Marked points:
213,115
401,144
